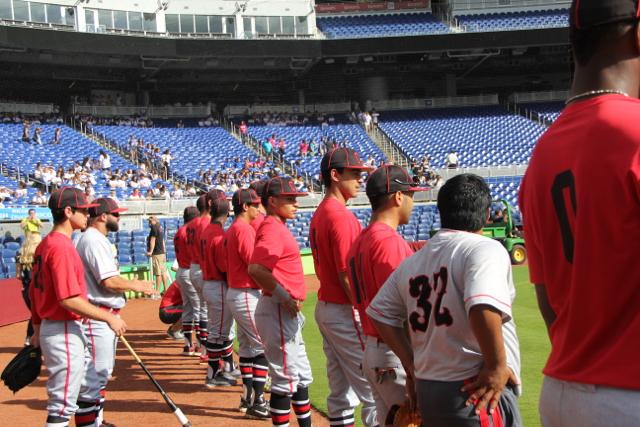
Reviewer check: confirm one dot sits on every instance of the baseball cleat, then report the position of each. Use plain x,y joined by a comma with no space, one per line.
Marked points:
219,380
259,410
204,359
244,405
175,335
189,351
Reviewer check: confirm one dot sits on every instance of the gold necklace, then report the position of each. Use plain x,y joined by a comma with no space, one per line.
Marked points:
595,93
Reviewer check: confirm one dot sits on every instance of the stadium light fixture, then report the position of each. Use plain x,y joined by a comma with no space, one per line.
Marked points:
162,5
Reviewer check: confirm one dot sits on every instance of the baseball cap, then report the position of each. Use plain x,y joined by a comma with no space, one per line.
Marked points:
585,14
258,186
388,179
343,158
244,195
69,196
105,205
280,186
219,202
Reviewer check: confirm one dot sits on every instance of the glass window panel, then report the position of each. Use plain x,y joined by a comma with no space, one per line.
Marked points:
215,24
5,9
135,21
231,25
149,22
37,12
20,10
274,25
69,16
261,25
288,25
54,14
172,23
105,18
186,23
301,25
120,19
202,23
89,17
247,25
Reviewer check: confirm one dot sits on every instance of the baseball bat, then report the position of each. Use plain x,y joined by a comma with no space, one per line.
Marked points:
182,419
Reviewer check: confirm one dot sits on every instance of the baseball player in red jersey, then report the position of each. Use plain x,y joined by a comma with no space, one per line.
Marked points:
454,299
59,304
583,263
258,187
194,228
190,298
374,255
242,298
105,289
170,311
213,262
276,267
332,231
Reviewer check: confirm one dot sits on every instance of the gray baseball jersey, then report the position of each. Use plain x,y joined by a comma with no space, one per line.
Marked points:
435,289
99,259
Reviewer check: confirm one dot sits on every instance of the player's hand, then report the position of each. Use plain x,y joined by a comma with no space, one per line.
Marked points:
34,340
118,325
292,306
485,390
149,254
145,287
410,385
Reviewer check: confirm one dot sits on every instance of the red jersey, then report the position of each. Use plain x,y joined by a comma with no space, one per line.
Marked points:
374,255
278,251
240,241
58,274
172,297
257,221
587,162
332,231
183,256
194,228
212,262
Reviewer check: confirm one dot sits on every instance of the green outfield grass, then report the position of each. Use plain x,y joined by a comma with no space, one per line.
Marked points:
534,347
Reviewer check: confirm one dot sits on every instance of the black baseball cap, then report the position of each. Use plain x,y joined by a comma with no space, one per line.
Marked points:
346,158
258,186
69,196
244,195
585,14
388,179
105,205
280,186
219,202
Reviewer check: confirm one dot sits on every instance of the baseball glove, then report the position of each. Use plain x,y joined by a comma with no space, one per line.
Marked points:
407,418
23,369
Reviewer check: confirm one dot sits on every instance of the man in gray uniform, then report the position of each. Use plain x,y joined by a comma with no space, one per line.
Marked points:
105,289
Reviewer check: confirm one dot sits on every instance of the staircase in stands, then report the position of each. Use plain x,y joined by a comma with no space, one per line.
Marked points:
387,146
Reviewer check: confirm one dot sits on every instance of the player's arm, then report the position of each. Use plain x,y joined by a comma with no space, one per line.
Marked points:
485,391
265,279
152,245
120,284
84,308
343,279
544,306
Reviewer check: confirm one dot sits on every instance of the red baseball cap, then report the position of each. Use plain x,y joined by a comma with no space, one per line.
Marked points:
388,179
281,187
346,158
105,205
69,196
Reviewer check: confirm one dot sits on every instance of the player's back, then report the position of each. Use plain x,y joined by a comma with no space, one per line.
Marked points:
581,206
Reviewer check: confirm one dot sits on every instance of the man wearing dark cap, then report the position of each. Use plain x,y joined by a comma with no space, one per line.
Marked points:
158,254
242,298
582,276
219,345
258,187
372,257
332,231
276,267
105,290
59,305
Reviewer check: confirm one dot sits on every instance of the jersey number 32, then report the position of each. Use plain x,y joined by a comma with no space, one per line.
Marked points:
422,288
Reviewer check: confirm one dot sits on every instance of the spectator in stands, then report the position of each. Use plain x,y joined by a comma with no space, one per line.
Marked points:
166,163
268,148
8,238
26,132
313,147
31,224
451,160
281,148
244,131
375,118
135,195
190,191
303,148
37,136
21,191
371,162
57,136
144,181
112,195
366,121
180,125
177,192
39,198
105,160
149,194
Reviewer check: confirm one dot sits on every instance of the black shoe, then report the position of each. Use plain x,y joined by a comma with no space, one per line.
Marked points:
259,410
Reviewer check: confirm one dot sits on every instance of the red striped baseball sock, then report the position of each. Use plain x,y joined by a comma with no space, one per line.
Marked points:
246,369
302,406
260,370
279,406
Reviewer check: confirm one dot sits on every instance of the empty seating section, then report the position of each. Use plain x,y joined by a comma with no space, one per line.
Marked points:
514,20
193,149
482,136
17,156
354,136
548,111
409,24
